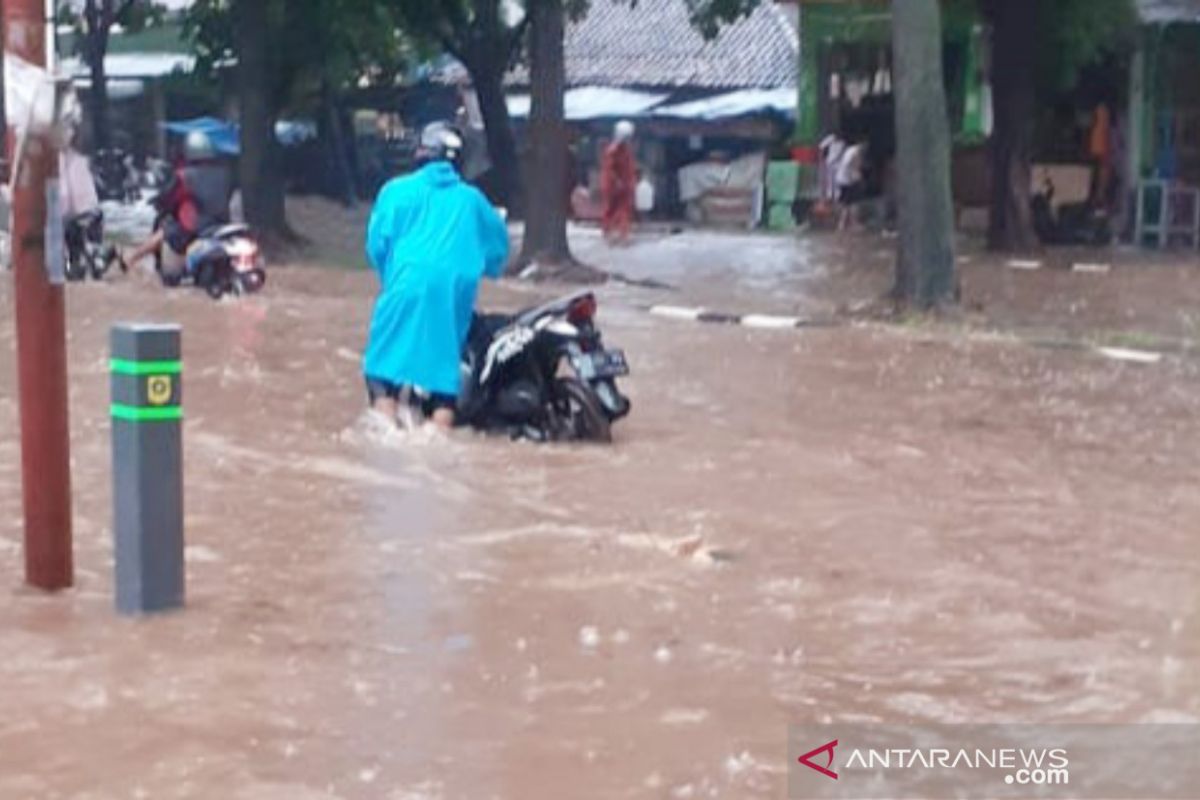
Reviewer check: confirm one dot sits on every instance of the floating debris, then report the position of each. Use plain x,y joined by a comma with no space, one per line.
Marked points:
589,636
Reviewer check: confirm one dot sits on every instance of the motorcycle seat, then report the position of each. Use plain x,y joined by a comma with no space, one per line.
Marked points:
85,218
556,307
224,231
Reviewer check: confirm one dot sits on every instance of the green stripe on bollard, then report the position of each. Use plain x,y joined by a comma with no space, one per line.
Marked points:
146,414
122,366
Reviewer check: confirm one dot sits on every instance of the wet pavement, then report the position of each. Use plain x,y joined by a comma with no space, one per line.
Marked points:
853,523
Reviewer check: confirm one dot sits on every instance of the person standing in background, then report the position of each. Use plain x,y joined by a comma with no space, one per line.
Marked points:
77,187
850,182
1100,151
618,185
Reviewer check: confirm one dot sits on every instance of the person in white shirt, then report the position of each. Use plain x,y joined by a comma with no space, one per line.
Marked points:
832,149
76,185
849,177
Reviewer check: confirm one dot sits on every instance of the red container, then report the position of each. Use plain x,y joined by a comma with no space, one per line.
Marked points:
805,154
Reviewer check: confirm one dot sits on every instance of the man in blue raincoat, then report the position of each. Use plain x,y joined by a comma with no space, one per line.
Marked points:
431,238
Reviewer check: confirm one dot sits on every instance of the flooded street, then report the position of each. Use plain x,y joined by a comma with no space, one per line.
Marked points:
851,523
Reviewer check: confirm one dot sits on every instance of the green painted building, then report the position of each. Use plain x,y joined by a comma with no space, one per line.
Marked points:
1164,95
842,38
845,84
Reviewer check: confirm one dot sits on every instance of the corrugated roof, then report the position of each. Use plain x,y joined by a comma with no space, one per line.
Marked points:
1161,12
653,44
133,66
594,102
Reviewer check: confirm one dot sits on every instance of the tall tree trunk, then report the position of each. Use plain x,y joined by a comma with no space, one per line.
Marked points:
546,217
96,49
502,145
925,262
336,141
1010,226
260,165
99,103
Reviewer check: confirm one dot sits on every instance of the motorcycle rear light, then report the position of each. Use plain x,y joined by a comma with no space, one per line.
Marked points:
582,309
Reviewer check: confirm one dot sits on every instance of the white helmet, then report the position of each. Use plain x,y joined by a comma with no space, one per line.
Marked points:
624,131
198,146
441,141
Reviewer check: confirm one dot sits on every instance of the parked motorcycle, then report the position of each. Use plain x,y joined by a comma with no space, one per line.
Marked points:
543,374
87,255
116,177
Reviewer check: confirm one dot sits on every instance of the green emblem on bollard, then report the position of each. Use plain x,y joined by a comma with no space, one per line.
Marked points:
158,399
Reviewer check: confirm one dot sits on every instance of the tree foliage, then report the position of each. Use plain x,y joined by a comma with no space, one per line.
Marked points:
93,24
96,16
487,37
467,28
314,43
1074,34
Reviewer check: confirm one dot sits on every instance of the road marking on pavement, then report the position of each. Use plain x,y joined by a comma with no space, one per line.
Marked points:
768,321
1095,269
677,312
761,321
1125,354
1018,263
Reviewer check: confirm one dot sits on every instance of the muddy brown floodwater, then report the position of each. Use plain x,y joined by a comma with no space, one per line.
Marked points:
852,523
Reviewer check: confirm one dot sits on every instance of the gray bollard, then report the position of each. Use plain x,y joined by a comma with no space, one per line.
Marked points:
147,467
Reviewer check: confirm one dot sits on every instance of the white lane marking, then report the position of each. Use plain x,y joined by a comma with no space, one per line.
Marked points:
1125,354
677,312
768,321
1018,263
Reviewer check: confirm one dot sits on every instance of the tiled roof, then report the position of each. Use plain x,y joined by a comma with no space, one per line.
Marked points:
1166,11
653,44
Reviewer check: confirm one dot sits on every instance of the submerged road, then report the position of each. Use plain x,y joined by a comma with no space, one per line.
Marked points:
854,523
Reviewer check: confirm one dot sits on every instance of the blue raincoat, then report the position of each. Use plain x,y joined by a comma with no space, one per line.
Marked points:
431,238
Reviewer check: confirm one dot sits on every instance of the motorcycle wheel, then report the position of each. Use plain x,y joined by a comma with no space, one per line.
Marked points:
579,413
75,270
209,279
252,281
215,289
98,265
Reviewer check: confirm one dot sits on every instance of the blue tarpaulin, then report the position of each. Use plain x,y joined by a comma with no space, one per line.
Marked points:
224,135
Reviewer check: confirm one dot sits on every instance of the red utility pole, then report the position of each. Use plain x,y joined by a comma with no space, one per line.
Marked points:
41,336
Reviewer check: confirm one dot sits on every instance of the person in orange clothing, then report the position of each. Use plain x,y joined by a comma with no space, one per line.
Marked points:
618,185
1100,151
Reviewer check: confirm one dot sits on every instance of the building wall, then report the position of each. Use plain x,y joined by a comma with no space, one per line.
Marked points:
1165,102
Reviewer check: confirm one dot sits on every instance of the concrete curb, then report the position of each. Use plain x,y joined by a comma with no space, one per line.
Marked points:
1125,354
759,321
779,322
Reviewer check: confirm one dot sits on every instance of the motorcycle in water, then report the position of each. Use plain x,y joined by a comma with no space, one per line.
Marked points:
543,374
86,253
222,260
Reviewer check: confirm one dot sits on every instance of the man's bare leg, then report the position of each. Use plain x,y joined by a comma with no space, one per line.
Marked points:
443,418
387,408
145,249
